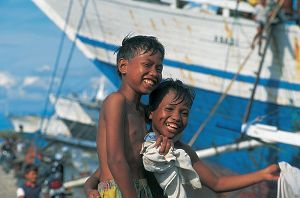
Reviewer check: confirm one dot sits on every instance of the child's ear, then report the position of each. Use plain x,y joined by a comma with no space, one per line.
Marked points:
150,115
122,66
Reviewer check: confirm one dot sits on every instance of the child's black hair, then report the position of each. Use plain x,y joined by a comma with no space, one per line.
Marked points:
29,167
132,46
182,91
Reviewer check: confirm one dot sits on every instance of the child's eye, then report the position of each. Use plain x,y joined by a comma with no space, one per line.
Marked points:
185,113
159,70
168,108
148,64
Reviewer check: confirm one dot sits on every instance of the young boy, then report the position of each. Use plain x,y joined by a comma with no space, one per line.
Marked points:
122,124
169,107
30,188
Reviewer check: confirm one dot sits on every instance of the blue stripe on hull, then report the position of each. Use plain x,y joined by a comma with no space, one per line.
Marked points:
202,69
109,71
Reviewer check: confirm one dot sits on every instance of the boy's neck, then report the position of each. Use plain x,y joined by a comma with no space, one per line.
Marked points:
131,97
129,92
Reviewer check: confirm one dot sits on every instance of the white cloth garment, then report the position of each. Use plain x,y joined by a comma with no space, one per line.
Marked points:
20,192
261,13
171,170
289,181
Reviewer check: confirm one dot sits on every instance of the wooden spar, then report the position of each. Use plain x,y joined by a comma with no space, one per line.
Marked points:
272,134
75,183
267,134
227,148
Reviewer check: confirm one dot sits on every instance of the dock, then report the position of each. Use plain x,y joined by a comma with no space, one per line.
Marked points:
8,184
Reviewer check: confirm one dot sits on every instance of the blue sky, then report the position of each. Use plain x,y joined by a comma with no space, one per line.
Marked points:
28,47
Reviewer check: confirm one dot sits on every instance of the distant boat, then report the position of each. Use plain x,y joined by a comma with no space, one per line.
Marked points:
205,50
72,119
32,124
80,117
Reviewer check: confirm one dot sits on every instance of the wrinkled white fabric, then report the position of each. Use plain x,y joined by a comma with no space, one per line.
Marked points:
288,182
171,171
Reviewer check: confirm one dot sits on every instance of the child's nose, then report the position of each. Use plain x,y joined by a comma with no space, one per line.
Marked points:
176,116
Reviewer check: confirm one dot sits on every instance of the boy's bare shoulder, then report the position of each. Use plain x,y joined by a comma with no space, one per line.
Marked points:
114,104
114,97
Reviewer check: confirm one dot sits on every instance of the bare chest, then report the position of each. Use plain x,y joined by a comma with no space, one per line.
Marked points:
136,126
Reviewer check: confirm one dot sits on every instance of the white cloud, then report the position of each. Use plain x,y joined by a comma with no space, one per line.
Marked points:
21,95
30,80
6,80
44,68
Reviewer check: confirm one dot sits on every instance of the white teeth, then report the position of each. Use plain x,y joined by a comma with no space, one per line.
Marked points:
149,82
172,125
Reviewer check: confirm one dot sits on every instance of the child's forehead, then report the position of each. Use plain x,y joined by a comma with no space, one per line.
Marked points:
176,98
173,96
144,52
30,172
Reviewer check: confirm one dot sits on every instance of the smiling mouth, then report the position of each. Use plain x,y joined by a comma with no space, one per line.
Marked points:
150,82
173,126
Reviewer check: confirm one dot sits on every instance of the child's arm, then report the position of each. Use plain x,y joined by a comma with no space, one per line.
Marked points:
229,183
115,116
235,182
90,185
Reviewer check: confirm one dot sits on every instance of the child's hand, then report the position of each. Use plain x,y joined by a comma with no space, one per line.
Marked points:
94,194
164,143
271,173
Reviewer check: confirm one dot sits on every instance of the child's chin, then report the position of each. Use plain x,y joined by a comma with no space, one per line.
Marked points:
148,91
171,136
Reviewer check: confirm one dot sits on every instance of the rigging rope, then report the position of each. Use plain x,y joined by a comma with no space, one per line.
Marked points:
69,57
57,60
222,97
249,106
